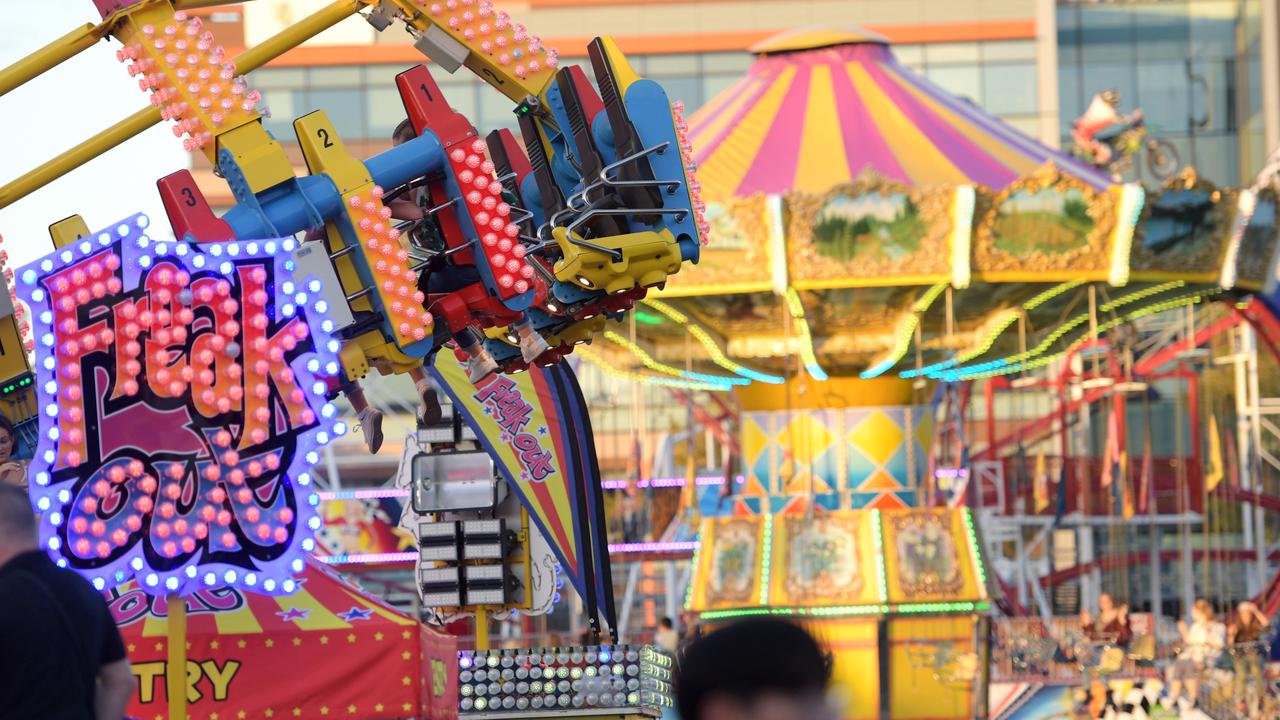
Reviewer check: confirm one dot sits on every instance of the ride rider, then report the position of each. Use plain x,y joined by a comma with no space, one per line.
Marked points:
1100,123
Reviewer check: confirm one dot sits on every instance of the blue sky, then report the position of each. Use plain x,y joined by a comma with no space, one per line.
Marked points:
61,108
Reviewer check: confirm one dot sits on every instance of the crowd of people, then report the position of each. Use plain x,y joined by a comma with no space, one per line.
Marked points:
1237,644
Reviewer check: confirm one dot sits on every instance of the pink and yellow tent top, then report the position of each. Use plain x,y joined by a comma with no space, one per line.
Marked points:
818,107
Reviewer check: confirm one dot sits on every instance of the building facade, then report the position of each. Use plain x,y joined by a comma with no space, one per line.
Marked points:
1201,70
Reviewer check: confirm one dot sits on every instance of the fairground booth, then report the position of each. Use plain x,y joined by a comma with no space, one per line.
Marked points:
363,659
898,597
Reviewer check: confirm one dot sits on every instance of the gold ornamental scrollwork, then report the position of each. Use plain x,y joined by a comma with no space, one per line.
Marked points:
1091,253
928,562
738,253
1257,247
915,243
1202,241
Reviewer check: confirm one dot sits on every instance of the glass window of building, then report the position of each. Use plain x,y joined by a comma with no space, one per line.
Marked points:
1189,64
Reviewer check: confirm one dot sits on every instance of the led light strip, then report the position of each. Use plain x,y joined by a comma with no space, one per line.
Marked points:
877,609
974,552
654,547
962,205
766,558
369,558
908,330
665,369
1132,198
365,494
1170,304
709,344
1008,318
693,576
806,339
599,362
701,481
408,557
882,577
1017,362
398,493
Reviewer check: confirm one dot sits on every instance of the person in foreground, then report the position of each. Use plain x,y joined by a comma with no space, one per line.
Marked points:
754,669
61,656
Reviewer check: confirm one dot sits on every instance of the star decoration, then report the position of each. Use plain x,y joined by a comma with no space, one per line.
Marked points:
355,614
524,475
297,642
297,712
159,646
405,680
240,715
271,643
213,716
213,644
377,708
324,639
406,634
542,430
405,654
132,647
351,637
269,712
324,710
407,707
241,644
377,636
351,709
294,614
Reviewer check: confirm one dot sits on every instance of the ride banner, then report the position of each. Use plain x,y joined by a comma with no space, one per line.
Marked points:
527,426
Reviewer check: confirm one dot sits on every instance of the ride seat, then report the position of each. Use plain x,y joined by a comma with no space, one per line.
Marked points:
471,305
647,259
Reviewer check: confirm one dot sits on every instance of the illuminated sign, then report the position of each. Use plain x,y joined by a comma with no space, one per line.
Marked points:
181,403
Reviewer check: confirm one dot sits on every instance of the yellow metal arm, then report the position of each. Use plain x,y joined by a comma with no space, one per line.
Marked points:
56,52
138,122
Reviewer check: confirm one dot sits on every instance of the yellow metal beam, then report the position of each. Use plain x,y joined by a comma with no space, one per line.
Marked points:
56,52
138,122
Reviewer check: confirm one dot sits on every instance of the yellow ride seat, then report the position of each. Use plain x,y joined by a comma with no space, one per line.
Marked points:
647,259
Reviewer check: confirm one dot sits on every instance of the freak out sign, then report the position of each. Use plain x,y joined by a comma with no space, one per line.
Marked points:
181,404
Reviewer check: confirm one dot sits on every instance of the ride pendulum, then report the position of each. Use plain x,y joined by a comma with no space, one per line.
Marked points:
182,388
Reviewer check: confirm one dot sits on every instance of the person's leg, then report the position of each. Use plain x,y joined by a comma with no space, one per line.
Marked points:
1193,690
370,418
430,412
1175,682
1240,675
480,364
532,344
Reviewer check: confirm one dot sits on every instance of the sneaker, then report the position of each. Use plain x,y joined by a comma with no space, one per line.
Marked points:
480,366
532,346
371,427
430,412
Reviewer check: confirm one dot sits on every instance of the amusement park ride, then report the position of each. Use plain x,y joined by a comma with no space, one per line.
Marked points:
572,225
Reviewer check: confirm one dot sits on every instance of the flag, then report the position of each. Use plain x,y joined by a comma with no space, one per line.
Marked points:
1040,480
1061,509
1215,473
1146,479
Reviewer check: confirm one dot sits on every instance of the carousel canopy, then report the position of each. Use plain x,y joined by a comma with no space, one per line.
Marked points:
865,223
818,107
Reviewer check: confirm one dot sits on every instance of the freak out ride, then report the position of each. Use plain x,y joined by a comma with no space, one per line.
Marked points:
181,385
